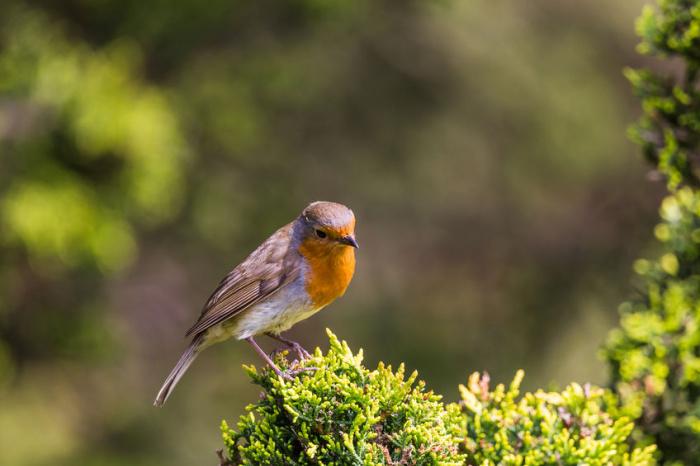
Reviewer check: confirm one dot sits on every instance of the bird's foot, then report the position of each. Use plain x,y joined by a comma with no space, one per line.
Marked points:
299,350
295,372
267,359
284,374
290,373
296,347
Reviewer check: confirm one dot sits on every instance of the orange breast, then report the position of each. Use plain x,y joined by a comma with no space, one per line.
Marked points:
330,271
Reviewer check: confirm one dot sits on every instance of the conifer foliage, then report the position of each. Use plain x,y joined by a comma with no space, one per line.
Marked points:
341,413
654,355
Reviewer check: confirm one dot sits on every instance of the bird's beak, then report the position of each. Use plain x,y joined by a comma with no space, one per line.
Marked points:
349,240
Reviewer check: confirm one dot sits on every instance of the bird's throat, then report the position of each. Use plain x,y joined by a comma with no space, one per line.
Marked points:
330,270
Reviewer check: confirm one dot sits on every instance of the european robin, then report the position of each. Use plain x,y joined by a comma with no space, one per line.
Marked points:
303,267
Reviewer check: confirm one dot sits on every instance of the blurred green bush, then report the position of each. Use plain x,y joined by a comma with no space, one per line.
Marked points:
96,151
654,355
343,413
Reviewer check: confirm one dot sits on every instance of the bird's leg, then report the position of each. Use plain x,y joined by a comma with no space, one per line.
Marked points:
301,352
267,359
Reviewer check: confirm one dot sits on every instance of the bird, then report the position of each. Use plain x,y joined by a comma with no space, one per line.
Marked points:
302,268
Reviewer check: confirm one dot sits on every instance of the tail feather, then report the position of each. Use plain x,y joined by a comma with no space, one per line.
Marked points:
178,371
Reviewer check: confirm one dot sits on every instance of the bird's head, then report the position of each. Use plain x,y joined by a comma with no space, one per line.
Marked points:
328,225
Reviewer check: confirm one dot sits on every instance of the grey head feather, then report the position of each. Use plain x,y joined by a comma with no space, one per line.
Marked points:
328,214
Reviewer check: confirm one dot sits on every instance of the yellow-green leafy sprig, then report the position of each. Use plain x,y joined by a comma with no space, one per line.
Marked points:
344,414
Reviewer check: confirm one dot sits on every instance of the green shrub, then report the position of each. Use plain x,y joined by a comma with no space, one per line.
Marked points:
669,129
576,426
654,355
342,413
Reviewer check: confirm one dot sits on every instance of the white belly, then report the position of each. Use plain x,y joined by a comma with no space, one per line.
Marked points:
276,314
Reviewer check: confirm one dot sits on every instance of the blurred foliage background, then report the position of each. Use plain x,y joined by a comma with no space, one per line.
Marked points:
147,147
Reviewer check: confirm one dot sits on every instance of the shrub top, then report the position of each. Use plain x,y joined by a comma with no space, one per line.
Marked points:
342,413
574,427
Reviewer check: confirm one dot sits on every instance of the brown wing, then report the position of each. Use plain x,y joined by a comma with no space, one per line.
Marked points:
265,271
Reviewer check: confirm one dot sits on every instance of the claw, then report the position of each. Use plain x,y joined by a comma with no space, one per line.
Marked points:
298,349
295,372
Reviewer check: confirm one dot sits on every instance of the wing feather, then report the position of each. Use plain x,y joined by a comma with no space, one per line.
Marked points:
226,308
264,272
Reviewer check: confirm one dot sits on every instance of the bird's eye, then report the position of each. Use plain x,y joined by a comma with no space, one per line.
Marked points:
321,233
